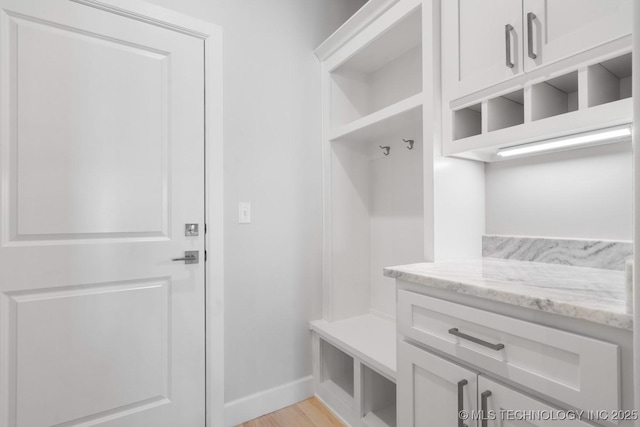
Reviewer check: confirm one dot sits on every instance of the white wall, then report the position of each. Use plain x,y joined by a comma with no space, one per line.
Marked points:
272,143
396,215
584,193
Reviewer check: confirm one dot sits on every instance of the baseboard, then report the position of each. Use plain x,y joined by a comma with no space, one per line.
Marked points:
256,405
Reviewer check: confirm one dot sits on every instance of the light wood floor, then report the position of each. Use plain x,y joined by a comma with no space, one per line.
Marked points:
308,413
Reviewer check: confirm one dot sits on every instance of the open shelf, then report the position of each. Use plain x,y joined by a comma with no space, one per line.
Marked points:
379,399
506,111
387,121
370,338
610,80
467,122
382,73
336,372
555,96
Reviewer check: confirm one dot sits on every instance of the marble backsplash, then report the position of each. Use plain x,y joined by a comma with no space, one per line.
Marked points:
605,254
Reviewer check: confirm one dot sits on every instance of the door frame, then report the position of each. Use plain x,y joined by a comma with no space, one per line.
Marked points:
211,35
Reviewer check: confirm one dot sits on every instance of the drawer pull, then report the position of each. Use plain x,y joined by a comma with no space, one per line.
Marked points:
530,17
483,407
457,333
461,385
507,41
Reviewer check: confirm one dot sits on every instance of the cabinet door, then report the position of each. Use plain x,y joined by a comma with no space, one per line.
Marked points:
556,29
481,43
505,407
431,391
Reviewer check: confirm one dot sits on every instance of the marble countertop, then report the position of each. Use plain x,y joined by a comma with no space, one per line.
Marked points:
592,294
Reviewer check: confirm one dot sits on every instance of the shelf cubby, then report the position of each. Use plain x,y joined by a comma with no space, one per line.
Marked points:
336,370
385,122
379,399
467,122
505,111
555,96
382,73
590,95
610,80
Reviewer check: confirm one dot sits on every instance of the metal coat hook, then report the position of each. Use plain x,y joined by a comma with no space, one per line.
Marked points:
410,141
385,149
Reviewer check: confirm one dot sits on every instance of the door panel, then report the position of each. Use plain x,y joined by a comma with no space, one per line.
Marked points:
101,151
74,111
428,389
124,329
475,31
566,27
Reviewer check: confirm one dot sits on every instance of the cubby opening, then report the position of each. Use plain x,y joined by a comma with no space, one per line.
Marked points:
555,96
336,370
610,80
506,111
378,400
386,71
467,122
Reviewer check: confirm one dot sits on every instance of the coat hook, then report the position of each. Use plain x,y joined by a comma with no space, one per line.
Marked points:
410,141
385,149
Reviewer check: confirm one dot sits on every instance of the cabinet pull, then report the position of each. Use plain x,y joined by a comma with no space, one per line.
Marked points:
507,41
530,17
461,385
483,407
457,333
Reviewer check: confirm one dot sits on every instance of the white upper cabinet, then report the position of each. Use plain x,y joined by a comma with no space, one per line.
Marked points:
481,43
556,29
488,42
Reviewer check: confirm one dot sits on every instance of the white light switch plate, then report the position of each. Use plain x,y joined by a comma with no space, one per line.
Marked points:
244,213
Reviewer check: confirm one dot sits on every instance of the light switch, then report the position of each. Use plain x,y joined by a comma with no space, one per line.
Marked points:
244,213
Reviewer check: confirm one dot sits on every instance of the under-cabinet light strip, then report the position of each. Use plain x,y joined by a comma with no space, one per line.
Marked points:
566,142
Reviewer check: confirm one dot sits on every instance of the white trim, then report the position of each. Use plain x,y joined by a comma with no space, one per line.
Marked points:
265,402
214,242
368,13
636,207
154,15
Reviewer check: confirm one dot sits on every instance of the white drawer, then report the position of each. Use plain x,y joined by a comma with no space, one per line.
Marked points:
574,369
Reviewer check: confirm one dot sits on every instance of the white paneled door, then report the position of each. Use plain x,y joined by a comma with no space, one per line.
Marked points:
101,150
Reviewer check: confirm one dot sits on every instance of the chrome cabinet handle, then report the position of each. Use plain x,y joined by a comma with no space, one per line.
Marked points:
190,257
461,385
507,40
483,407
457,333
530,17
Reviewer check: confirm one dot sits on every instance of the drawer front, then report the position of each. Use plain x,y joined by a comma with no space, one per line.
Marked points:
574,369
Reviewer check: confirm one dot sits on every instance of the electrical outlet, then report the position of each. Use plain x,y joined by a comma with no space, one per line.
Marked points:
244,213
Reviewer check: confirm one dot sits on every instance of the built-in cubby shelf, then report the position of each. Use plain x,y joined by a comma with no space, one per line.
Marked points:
610,81
390,120
467,122
555,96
368,337
592,96
505,111
379,399
373,202
356,360
384,72
337,370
